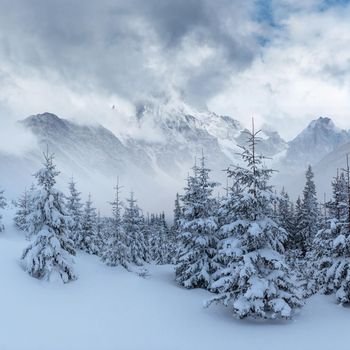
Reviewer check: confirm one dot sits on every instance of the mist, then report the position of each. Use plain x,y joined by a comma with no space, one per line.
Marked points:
14,139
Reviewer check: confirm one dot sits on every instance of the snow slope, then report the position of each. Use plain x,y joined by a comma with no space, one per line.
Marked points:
109,309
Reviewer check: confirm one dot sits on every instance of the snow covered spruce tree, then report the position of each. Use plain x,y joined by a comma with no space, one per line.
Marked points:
254,280
74,209
285,214
338,207
101,233
133,225
331,253
167,242
177,213
174,232
24,206
116,251
197,230
50,253
2,206
293,242
160,244
308,221
153,237
88,239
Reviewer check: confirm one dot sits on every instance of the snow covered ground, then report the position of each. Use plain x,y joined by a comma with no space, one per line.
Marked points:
110,309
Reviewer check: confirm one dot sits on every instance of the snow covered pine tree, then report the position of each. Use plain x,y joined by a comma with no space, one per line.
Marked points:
174,232
116,252
197,230
50,254
254,279
285,214
308,221
2,206
88,239
24,208
74,209
133,224
160,243
331,253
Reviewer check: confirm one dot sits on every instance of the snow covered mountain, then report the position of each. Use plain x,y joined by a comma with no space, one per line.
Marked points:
322,145
182,133
84,148
158,146
318,139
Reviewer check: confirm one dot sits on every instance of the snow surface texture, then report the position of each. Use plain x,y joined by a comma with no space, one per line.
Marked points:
109,309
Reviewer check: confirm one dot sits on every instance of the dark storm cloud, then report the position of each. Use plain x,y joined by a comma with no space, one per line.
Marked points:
130,47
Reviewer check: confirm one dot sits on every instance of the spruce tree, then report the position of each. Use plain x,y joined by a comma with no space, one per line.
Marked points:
74,209
331,253
197,230
101,234
338,207
160,244
50,254
2,206
177,213
116,252
284,212
254,280
24,206
308,221
133,224
166,244
152,237
88,238
294,242
174,232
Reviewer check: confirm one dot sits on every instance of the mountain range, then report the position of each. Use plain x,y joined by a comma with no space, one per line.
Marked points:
156,162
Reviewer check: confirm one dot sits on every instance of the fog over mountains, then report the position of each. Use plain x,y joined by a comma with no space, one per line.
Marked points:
153,160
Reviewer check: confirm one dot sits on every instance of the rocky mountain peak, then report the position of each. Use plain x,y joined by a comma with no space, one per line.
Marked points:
319,138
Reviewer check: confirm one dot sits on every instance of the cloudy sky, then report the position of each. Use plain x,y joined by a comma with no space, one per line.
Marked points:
284,62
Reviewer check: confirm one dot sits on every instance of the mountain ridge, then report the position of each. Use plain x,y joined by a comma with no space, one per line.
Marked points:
175,136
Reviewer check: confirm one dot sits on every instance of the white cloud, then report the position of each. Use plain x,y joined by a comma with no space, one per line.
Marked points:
14,140
304,72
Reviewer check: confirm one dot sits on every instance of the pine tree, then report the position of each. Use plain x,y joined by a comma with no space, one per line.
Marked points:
116,252
331,254
294,242
24,209
101,234
160,244
152,237
338,207
74,209
254,279
50,254
167,243
2,206
308,221
88,238
177,213
197,231
133,224
174,233
284,212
